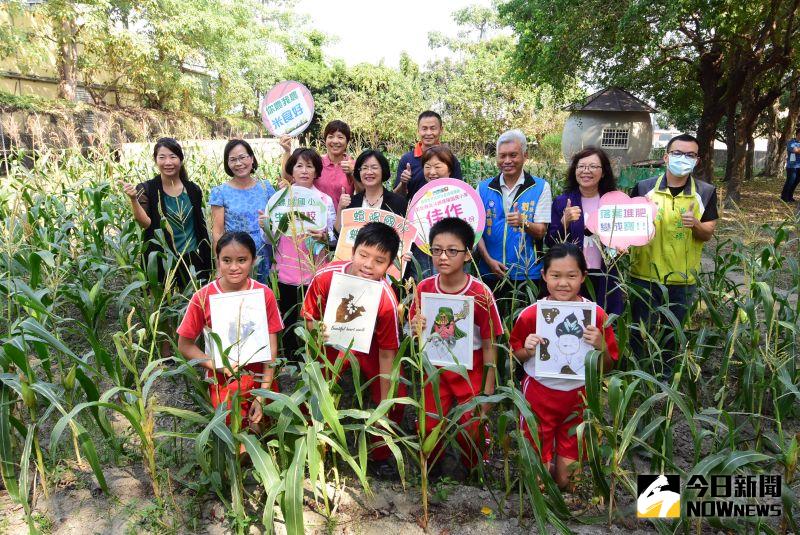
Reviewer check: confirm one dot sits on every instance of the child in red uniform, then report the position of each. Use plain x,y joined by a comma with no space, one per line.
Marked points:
374,250
558,403
236,254
451,240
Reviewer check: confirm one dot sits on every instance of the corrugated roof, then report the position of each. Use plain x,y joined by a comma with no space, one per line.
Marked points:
611,99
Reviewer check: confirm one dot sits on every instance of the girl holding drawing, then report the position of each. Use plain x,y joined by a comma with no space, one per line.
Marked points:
298,256
553,354
236,254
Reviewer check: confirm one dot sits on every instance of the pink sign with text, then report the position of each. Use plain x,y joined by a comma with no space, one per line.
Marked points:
445,197
622,221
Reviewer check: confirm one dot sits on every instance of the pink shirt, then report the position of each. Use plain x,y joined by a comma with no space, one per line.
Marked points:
594,259
294,263
332,180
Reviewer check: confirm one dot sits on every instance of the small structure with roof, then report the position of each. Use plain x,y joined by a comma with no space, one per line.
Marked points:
613,120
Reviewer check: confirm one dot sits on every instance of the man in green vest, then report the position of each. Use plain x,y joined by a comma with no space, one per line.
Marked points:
686,219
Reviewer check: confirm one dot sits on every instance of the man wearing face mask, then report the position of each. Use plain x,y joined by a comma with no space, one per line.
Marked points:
686,219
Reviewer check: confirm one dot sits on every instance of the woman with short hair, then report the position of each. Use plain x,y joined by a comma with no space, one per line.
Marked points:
371,171
336,175
437,162
235,205
298,257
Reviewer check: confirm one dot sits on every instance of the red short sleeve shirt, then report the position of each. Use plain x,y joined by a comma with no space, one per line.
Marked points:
385,336
198,313
487,319
526,324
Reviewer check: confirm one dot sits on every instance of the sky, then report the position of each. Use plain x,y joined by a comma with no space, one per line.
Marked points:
369,30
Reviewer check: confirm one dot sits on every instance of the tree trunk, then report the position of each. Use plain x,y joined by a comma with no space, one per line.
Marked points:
706,133
67,59
709,76
736,169
750,158
730,142
773,160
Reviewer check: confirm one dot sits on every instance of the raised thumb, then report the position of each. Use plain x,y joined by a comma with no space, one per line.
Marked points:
343,190
569,203
408,167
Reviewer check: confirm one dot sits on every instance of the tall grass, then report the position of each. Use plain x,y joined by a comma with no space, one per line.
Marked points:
85,318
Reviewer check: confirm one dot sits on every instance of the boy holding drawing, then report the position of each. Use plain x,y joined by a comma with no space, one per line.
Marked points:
236,255
374,250
554,381
451,241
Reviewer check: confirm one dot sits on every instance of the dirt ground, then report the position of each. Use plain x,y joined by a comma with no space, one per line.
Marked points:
76,506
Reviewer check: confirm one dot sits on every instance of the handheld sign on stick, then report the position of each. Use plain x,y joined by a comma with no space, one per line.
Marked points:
287,109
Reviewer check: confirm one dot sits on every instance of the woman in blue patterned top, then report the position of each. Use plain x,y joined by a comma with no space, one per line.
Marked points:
235,205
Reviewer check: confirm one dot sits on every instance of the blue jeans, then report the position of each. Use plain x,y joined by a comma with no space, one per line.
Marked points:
644,309
792,175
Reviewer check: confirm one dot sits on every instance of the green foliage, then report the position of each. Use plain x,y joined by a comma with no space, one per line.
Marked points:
25,102
194,57
81,340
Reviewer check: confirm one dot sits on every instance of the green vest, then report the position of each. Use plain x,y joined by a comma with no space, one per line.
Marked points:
673,256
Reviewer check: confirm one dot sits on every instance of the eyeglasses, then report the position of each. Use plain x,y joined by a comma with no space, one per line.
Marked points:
239,159
451,252
594,167
676,153
366,168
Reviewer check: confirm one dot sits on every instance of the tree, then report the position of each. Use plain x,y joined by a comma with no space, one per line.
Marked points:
379,103
780,131
720,56
476,90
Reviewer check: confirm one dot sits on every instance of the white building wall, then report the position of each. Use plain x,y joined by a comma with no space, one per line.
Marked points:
585,128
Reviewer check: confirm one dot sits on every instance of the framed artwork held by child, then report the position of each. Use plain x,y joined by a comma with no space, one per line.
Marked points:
448,335
240,321
560,324
351,311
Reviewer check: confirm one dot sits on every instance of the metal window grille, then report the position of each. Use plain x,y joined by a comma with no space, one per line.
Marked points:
615,138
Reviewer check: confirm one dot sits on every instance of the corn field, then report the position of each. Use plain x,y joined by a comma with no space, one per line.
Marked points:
83,380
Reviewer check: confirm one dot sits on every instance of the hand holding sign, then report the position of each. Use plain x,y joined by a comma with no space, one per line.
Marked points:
286,143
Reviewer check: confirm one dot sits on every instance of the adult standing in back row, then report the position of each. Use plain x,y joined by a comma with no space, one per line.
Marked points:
172,195
410,176
517,208
685,221
337,165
